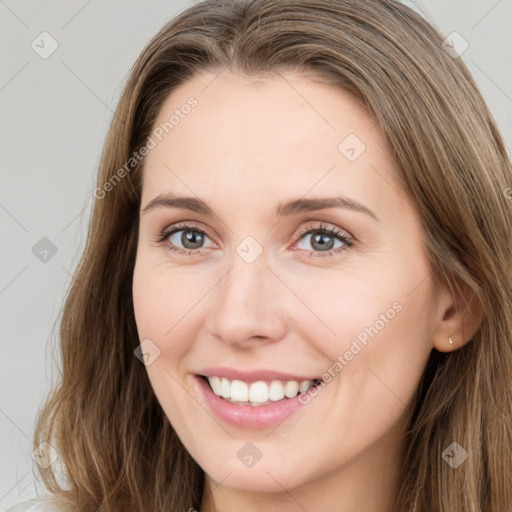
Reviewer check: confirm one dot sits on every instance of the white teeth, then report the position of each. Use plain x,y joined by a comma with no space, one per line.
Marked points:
225,389
216,384
239,391
276,391
257,392
305,385
292,388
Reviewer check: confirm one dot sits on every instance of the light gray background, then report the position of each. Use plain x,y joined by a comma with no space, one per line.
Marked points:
54,116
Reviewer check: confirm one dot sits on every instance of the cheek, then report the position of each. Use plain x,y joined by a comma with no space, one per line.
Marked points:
336,310
158,308
162,297
381,360
169,308
379,333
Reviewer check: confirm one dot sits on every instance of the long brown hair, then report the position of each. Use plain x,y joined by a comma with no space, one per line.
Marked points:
117,450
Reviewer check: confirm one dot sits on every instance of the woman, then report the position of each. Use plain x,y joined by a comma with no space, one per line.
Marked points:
297,285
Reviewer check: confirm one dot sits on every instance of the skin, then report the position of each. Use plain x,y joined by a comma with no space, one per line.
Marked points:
248,146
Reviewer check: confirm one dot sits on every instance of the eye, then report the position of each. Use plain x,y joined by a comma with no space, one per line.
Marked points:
188,239
325,240
188,236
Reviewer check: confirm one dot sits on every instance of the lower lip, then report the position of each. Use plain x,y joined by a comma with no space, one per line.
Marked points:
248,416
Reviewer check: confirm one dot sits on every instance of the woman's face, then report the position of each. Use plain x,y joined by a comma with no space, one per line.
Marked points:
296,257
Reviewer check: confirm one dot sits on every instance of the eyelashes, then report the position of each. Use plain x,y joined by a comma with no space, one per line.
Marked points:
332,233
315,234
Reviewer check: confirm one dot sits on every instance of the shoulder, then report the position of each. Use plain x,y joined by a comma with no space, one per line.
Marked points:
40,504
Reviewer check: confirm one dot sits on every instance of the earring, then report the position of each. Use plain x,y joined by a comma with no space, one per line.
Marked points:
450,341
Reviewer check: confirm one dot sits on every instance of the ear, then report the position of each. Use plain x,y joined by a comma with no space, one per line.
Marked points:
459,316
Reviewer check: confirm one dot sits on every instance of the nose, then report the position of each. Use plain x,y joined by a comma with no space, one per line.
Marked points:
246,306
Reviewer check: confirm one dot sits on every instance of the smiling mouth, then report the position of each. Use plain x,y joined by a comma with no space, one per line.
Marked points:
258,393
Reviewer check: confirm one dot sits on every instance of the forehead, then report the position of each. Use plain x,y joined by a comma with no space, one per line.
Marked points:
276,135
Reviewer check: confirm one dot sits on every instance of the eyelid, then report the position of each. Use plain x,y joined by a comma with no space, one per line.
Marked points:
323,226
183,226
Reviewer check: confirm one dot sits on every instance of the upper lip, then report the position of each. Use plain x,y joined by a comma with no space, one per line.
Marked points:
253,375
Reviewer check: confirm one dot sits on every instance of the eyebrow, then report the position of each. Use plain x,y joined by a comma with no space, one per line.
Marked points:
169,200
